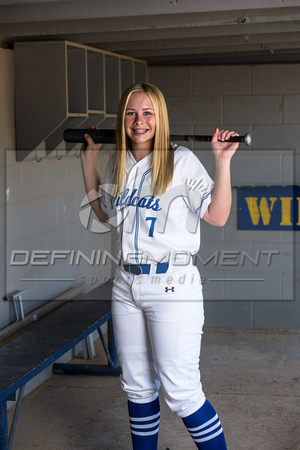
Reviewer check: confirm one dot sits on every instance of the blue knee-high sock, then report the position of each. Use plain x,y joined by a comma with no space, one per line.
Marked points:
144,424
205,428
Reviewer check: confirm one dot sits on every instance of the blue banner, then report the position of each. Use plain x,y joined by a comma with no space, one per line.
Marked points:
268,208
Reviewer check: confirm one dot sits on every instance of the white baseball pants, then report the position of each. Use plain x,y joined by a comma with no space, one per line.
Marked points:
158,322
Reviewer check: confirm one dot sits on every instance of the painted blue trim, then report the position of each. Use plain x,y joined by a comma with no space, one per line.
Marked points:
3,426
203,198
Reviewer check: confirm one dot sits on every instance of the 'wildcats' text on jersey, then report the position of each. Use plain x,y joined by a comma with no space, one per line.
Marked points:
128,198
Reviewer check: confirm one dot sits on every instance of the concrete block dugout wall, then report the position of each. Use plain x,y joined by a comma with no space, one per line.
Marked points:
41,201
262,100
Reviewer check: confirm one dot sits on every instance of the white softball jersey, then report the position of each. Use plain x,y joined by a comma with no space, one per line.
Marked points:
161,228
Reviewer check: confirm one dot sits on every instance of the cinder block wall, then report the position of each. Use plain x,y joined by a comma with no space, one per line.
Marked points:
40,201
263,100
39,212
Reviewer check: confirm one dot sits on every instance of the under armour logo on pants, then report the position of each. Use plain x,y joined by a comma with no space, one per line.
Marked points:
170,289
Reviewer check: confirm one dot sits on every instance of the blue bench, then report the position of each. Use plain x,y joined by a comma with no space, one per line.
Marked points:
39,345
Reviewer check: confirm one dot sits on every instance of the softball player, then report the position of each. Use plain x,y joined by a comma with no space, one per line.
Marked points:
155,194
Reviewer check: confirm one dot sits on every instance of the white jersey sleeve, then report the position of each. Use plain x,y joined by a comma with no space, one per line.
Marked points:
198,183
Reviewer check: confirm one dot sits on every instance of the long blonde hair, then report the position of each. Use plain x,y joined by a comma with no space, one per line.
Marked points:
163,154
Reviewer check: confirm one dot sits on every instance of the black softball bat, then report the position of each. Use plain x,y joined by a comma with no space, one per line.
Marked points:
76,135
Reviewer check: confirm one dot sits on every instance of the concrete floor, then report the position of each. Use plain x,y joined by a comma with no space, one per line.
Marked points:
251,378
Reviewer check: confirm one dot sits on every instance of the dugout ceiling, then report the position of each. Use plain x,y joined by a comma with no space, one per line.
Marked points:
162,31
